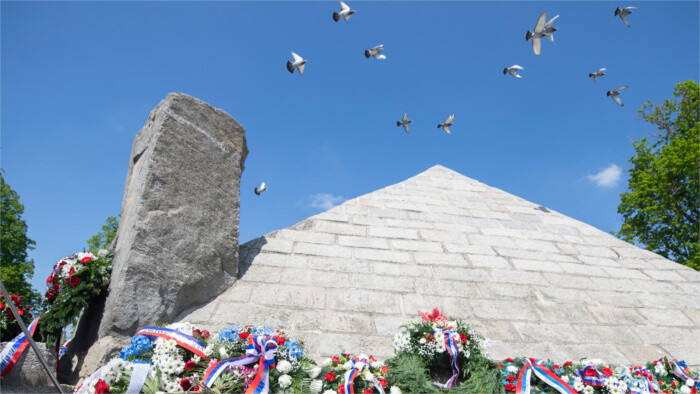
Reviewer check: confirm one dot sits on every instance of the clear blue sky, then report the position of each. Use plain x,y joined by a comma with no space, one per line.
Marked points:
79,79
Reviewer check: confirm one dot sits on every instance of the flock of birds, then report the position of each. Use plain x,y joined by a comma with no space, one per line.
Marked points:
543,28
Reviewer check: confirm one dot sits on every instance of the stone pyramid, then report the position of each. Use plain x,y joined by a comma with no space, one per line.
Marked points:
535,282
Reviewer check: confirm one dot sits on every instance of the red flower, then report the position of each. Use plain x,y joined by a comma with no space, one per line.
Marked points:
566,364
608,372
73,281
510,387
185,384
101,387
500,365
196,388
205,334
463,337
330,376
50,278
673,384
243,335
510,378
341,389
556,366
86,259
385,370
509,360
61,264
372,359
368,391
383,382
336,359
280,340
435,316
190,365
590,372
693,390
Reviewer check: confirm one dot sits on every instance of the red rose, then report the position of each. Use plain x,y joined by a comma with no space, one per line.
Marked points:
368,391
385,370
336,359
280,340
673,384
383,382
608,372
20,312
61,264
510,387
510,378
500,365
86,259
243,335
330,376
509,360
71,271
185,384
693,390
190,365
463,337
73,281
556,366
566,364
196,388
372,359
50,278
101,387
341,389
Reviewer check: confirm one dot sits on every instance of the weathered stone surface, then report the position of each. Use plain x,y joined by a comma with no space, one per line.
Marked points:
28,371
177,242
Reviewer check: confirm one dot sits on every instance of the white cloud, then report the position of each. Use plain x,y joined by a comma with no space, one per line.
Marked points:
607,177
324,201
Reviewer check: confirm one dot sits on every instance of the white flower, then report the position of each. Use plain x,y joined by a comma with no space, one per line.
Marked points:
329,392
690,382
578,384
422,340
685,390
565,378
512,369
284,367
209,350
361,356
368,376
285,381
440,347
377,364
316,386
588,390
327,362
223,352
348,365
395,390
313,372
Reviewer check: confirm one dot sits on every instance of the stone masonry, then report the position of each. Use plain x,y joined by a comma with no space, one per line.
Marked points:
536,283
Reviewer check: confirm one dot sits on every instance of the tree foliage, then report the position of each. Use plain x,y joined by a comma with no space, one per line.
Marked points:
15,266
662,206
104,238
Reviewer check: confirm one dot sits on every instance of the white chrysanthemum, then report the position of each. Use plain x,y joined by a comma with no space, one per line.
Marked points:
316,386
184,327
82,255
588,390
685,390
284,367
592,361
377,364
690,382
348,365
422,341
565,378
578,384
284,381
395,390
440,347
512,369
209,350
314,372
223,352
327,362
329,392
369,377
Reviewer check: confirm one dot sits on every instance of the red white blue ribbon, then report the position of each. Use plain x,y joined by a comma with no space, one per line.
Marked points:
648,384
590,376
261,349
546,375
358,364
453,351
14,349
680,369
186,341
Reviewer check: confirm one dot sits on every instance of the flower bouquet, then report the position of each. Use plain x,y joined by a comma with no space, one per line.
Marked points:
181,357
447,350
534,375
9,328
73,283
350,374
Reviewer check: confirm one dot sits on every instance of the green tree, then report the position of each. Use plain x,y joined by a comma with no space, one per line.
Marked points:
662,206
104,238
15,266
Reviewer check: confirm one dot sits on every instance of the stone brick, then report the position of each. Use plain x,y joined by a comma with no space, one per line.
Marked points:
576,352
339,265
477,222
323,250
488,261
541,246
382,255
434,258
538,332
445,287
583,269
557,294
501,350
512,276
608,334
442,236
469,249
569,281
491,240
458,273
596,251
377,282
392,269
421,246
667,335
392,232
506,291
593,260
363,242
666,317
625,273
338,228
562,313
532,265
364,301
430,217
277,294
454,307
325,321
664,275
306,236
315,278
277,245
639,354
388,213
616,316
262,273
504,310
409,224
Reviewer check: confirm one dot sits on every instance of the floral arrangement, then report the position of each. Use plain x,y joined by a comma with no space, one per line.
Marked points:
447,349
346,374
73,283
590,376
9,328
181,357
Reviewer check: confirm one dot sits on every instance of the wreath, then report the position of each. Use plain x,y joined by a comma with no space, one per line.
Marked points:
347,374
9,328
439,354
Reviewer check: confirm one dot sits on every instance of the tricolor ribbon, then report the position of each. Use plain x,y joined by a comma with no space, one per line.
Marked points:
680,369
358,364
181,339
14,349
453,351
544,374
590,376
648,383
261,349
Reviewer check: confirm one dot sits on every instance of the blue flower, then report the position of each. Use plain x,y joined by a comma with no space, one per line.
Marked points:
264,331
229,334
139,361
141,343
294,349
549,364
504,382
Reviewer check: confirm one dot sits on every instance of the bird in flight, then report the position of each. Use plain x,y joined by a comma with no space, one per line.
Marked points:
404,122
298,64
542,29
623,12
447,123
513,70
615,93
376,52
344,13
597,74
260,189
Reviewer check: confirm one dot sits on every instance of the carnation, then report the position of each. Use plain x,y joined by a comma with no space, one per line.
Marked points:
314,372
284,366
395,390
369,377
316,386
285,381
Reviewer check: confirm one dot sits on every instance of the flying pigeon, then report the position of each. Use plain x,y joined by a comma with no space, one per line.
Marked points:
298,64
597,74
260,189
344,13
615,93
404,122
447,123
542,29
513,70
623,12
376,52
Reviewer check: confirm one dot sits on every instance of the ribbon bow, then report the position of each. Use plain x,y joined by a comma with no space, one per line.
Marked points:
453,351
642,385
260,349
590,376
680,369
358,364
544,374
435,316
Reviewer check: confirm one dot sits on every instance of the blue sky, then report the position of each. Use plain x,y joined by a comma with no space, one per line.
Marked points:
79,79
